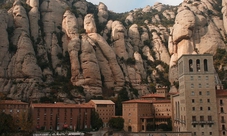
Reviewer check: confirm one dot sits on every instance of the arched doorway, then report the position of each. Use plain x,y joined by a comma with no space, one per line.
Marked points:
129,129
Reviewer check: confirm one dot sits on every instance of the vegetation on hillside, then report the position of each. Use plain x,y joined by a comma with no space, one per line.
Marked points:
220,64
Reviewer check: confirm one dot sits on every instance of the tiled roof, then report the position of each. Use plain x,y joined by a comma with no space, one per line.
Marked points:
157,117
138,101
16,102
161,101
146,101
221,93
102,101
153,96
60,105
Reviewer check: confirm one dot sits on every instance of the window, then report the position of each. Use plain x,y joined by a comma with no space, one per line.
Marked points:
200,85
192,85
208,100
202,125
193,108
192,78
200,93
193,100
194,133
223,132
208,93
209,118
207,85
194,125
199,77
198,65
222,110
201,108
193,93
222,119
190,65
207,77
201,100
202,133
201,118
193,118
221,102
205,65
210,133
208,108
223,127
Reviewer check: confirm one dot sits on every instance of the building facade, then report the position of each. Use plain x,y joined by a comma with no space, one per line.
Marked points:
194,106
137,114
105,109
13,107
59,116
148,113
222,111
161,104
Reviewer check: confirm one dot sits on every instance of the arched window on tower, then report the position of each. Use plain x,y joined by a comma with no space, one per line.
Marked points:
205,65
190,65
198,65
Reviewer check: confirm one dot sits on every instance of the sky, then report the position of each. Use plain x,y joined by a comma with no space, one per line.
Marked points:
121,6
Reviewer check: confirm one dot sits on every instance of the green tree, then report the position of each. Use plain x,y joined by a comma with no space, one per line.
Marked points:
116,123
220,61
122,96
96,121
25,121
7,124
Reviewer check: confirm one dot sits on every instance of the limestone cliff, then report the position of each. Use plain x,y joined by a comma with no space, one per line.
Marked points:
68,49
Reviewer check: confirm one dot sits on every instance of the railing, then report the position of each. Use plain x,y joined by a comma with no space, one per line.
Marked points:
202,122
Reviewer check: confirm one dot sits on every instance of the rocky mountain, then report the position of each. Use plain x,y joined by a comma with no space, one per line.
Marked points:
72,50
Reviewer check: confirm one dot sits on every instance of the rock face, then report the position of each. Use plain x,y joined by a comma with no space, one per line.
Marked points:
196,31
110,56
103,13
118,37
134,36
160,49
4,57
56,47
34,17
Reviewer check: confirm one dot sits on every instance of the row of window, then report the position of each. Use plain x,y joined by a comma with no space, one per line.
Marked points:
200,85
58,110
199,78
201,100
198,68
201,125
104,110
202,133
201,108
201,118
13,110
200,93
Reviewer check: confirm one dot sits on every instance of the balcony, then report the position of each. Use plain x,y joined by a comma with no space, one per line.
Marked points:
202,122
222,121
210,122
195,122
